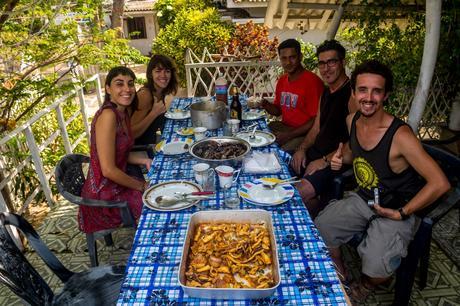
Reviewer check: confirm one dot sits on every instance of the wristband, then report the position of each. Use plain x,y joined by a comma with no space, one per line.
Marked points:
403,214
327,161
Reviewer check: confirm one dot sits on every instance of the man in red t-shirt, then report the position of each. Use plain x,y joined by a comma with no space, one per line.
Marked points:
297,95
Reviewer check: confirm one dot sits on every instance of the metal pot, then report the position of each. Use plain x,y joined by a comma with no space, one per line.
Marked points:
208,114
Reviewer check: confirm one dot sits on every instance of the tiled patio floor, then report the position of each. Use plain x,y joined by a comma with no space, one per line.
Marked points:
61,234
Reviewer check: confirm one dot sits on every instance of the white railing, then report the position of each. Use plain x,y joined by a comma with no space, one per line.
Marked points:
252,77
23,138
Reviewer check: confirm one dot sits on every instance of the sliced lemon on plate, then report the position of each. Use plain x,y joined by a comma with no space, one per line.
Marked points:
185,131
159,146
271,179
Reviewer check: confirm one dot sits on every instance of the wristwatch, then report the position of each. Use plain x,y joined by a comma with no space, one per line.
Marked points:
403,214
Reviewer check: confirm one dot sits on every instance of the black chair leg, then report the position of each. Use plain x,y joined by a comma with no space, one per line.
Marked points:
404,281
405,274
425,256
92,249
108,240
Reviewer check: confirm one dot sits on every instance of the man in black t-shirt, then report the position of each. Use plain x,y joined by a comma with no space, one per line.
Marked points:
311,159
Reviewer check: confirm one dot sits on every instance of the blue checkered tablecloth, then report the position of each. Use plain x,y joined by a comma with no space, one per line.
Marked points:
307,273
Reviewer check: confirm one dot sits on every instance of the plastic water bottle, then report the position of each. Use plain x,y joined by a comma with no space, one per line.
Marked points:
221,89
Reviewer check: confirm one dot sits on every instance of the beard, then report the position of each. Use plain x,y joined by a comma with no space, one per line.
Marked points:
369,113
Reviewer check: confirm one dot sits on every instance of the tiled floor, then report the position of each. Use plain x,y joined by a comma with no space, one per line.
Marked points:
61,234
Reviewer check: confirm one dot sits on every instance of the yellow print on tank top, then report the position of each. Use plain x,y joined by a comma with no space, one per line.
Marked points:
364,173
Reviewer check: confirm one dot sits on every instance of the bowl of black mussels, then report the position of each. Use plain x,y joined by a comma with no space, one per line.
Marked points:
223,150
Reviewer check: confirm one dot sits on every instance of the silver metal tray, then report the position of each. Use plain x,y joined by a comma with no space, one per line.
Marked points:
234,216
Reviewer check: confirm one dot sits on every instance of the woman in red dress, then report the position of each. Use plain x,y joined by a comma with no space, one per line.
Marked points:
111,142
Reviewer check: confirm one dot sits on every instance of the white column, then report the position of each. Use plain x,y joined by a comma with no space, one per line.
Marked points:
335,23
430,52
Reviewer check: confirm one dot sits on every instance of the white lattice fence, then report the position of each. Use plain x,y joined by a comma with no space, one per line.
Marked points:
437,110
436,113
251,76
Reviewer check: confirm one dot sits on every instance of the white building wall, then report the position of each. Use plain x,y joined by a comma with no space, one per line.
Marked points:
144,45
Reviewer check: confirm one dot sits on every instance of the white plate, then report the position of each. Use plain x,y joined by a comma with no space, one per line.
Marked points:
262,138
255,193
177,114
174,147
169,188
185,131
253,114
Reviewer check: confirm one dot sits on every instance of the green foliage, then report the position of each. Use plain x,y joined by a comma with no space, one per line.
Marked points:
388,43
192,28
107,50
375,36
41,42
378,36
309,60
167,10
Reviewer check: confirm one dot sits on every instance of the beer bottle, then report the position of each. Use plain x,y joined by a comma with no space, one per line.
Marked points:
235,107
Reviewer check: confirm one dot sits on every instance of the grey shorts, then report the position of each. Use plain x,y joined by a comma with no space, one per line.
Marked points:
385,242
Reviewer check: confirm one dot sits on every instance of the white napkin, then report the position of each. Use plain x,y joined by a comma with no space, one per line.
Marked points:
260,162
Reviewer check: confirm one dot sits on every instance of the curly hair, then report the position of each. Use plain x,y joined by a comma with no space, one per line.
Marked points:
374,67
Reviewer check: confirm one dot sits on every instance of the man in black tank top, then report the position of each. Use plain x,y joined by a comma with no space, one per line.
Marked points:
312,157
387,161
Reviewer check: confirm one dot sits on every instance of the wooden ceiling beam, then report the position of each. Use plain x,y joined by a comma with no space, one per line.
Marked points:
352,7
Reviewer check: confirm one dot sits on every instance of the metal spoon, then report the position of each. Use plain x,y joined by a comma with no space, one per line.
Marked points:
167,200
186,108
252,137
170,200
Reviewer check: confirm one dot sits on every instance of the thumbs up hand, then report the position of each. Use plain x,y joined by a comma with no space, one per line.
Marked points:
337,158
